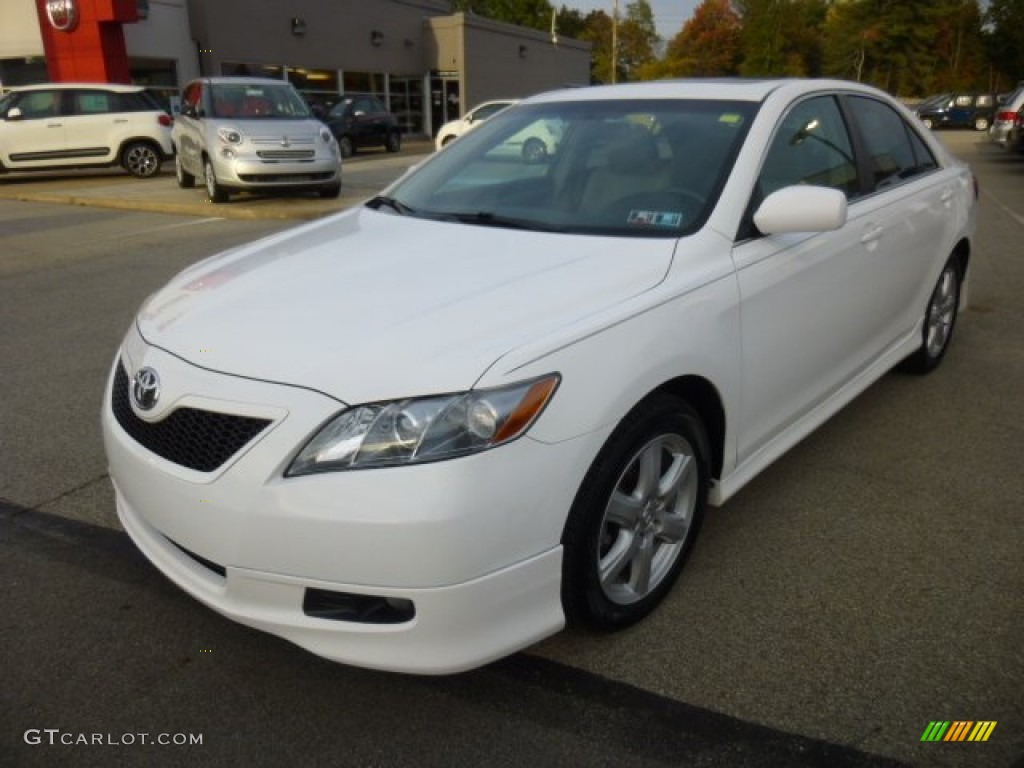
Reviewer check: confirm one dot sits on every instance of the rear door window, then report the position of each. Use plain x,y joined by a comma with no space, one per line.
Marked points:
894,153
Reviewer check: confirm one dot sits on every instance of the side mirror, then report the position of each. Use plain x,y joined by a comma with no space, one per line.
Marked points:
14,113
801,208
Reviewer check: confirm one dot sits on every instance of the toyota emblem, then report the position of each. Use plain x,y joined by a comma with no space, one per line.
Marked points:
145,389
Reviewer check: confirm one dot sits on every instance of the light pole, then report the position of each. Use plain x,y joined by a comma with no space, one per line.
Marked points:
615,42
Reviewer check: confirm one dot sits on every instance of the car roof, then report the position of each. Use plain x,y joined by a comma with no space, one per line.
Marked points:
717,89
116,87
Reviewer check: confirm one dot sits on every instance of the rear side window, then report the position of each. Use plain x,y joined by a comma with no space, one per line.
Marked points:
93,102
893,155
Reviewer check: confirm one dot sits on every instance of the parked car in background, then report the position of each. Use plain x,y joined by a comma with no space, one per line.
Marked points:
1006,116
1015,138
81,125
959,110
472,119
358,122
496,398
246,133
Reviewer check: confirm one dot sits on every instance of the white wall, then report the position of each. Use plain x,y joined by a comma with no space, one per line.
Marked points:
164,35
19,29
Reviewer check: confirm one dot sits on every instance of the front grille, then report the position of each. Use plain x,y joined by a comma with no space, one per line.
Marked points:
283,178
193,438
286,154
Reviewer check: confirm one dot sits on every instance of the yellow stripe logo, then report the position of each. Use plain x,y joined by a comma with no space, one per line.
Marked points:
958,730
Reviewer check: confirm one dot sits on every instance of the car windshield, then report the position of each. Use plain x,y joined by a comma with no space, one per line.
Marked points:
257,101
631,168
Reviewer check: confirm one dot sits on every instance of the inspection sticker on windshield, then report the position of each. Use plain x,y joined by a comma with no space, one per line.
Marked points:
655,218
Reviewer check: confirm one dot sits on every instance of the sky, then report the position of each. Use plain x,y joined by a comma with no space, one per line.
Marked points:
669,15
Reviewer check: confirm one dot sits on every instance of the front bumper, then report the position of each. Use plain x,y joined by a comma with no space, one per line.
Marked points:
246,171
473,543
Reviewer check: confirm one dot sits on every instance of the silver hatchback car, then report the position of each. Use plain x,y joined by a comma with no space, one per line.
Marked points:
243,133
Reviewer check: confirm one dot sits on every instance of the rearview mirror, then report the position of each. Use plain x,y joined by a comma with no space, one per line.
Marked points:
802,208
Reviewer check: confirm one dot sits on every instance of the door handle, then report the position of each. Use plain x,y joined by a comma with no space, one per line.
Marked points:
947,197
55,125
121,120
872,234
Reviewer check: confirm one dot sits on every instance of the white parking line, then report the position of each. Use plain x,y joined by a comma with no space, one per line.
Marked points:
1003,207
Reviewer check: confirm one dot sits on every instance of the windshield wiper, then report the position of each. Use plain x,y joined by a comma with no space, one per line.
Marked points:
382,201
491,219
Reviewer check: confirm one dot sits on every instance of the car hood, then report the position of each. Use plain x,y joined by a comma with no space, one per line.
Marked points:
370,306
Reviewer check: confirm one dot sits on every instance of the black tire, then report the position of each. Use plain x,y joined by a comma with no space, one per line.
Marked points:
346,146
141,159
939,321
185,179
214,189
393,142
534,150
981,123
928,123
330,192
661,430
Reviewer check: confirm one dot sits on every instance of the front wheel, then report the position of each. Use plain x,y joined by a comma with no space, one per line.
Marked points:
636,516
928,123
346,146
330,192
140,159
939,321
981,124
394,142
216,192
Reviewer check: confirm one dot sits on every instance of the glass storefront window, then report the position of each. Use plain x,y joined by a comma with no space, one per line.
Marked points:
252,69
23,71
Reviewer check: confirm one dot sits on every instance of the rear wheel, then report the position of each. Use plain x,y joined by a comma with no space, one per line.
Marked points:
346,146
185,179
216,192
928,123
140,159
939,321
636,516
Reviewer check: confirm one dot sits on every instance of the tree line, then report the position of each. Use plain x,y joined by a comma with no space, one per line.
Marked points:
907,47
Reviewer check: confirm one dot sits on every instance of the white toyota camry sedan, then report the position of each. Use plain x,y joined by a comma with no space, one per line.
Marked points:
427,432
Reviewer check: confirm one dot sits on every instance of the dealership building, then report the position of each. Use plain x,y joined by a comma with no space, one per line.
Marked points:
428,64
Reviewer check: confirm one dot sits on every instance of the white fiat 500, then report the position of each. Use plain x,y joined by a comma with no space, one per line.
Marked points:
429,431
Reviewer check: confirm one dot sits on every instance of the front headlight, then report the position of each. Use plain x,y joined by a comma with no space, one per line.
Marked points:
229,135
424,429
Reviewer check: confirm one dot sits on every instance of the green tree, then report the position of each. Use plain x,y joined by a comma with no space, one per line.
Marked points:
708,45
910,48
638,41
782,37
1005,41
526,13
